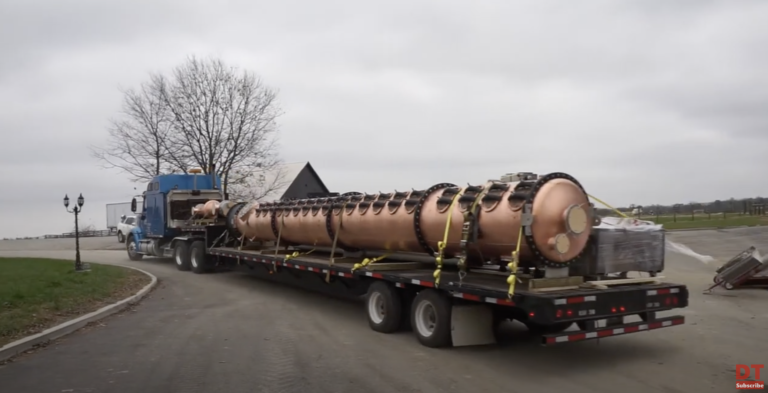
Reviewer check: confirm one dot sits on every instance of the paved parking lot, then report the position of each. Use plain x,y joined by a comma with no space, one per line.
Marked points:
230,332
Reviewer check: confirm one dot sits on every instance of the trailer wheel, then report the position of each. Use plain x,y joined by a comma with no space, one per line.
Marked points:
728,286
181,256
132,247
384,306
431,318
537,328
197,257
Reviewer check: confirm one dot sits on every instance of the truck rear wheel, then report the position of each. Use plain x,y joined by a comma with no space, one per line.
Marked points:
384,306
431,318
181,256
197,257
132,246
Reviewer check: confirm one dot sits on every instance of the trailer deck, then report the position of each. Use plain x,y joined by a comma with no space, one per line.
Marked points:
560,306
480,282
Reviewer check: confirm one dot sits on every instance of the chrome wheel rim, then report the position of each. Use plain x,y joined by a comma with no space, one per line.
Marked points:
426,318
376,308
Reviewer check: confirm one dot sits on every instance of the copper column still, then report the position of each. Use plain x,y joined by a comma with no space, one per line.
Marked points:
553,210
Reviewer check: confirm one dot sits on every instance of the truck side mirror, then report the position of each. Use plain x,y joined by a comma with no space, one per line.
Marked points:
133,205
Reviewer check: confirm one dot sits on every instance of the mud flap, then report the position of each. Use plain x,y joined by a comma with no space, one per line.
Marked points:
472,325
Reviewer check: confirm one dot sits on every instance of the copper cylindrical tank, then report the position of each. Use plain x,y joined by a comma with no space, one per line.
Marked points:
208,210
553,211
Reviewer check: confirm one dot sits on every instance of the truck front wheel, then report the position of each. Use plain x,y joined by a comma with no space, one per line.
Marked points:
384,306
197,257
132,246
181,256
431,318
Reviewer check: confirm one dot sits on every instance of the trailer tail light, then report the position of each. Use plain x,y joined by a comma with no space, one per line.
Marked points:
666,297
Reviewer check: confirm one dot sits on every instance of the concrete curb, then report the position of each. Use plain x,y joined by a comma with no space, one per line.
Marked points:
17,347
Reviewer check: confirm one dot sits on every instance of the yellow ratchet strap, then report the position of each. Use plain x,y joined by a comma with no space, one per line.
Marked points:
368,261
512,279
279,233
608,206
470,220
331,260
441,245
297,254
242,240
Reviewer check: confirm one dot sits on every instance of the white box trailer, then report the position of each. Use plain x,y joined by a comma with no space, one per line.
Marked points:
115,211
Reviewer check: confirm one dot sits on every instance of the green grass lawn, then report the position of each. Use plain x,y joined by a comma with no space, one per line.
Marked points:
36,294
706,221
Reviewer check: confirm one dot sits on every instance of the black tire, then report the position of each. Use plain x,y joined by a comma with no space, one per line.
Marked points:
181,256
197,258
384,307
120,237
131,246
431,318
554,328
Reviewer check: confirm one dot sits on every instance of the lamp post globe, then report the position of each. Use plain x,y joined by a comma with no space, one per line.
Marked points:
80,200
66,201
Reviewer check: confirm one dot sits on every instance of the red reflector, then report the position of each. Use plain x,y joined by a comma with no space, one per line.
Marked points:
622,309
531,314
569,312
674,300
559,313
667,301
613,309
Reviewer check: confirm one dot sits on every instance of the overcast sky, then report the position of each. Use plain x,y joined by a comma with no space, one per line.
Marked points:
642,101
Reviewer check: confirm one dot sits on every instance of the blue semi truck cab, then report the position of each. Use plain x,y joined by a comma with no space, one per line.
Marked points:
164,217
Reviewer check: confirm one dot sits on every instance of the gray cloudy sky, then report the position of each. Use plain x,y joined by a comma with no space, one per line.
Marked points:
647,101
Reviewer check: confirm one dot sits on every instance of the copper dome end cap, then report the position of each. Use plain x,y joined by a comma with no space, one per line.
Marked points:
558,211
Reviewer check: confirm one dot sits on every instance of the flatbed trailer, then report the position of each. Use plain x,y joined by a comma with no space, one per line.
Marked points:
461,309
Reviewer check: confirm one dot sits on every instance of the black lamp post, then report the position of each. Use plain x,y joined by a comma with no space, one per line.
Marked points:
76,210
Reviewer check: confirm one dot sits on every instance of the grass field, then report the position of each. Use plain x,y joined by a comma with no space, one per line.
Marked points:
707,221
36,294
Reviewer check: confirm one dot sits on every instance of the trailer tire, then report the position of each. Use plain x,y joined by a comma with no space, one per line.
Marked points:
197,257
181,256
431,318
554,328
384,307
132,247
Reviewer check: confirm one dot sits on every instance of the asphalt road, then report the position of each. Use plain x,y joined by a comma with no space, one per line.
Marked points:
230,332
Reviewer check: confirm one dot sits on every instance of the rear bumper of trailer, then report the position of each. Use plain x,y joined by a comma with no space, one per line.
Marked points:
609,331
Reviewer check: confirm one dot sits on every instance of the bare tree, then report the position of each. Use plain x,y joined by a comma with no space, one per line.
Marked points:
139,142
222,117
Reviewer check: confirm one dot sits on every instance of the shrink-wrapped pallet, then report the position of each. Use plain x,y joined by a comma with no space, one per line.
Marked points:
623,245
